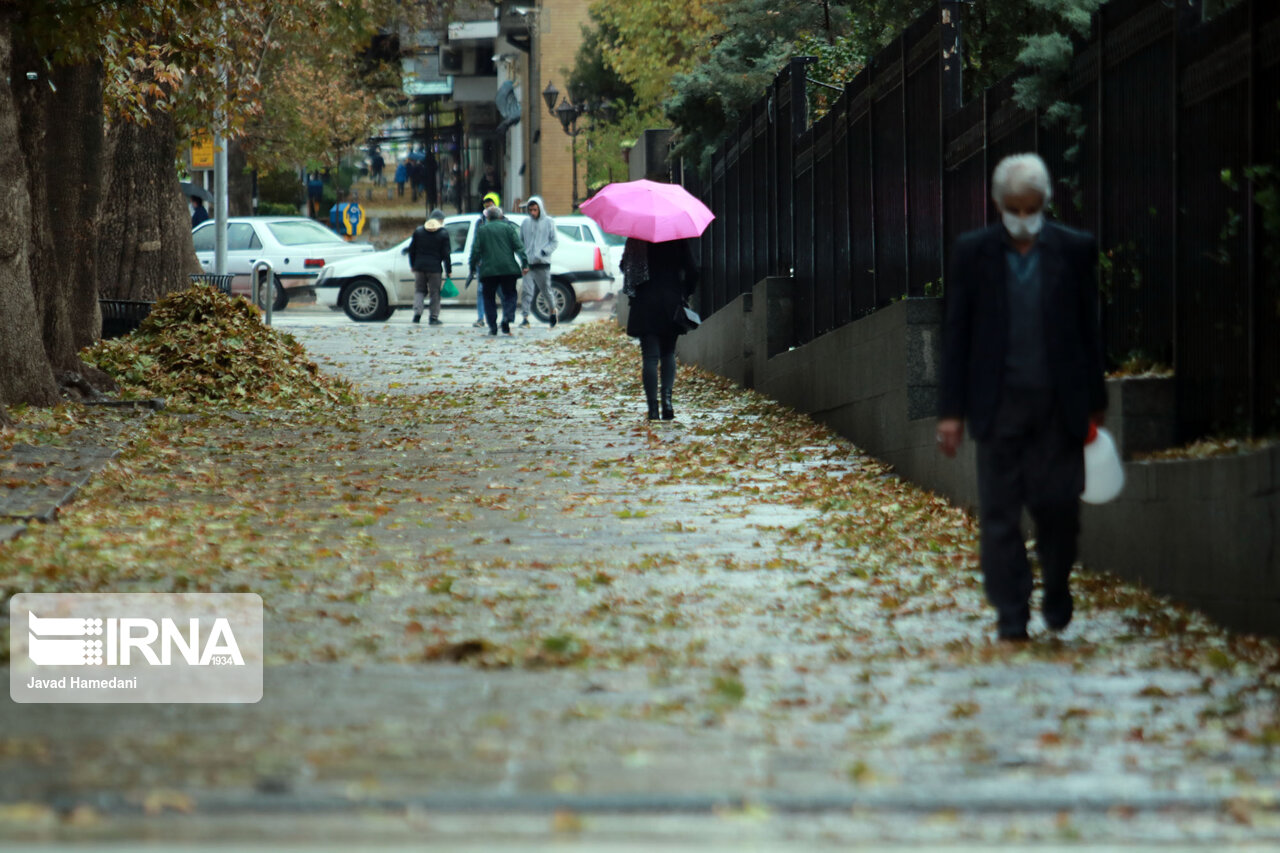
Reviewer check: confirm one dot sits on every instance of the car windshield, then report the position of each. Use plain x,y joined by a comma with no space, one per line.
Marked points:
300,232
615,239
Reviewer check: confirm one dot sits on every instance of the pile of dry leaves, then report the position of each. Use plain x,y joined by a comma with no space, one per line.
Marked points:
201,348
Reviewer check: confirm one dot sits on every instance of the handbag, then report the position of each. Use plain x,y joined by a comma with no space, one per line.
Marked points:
448,290
686,319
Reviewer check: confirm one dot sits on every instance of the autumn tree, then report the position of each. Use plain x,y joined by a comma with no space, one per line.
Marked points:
95,208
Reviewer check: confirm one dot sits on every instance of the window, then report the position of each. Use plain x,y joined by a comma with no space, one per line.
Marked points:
458,235
203,238
240,237
615,239
301,232
573,232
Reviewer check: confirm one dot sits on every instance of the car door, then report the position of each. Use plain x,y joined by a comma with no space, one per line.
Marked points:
460,237
243,246
204,237
402,273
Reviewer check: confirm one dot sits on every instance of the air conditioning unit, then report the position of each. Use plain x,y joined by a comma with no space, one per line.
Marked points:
451,60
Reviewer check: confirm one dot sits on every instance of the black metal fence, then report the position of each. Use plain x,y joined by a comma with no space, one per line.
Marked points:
861,207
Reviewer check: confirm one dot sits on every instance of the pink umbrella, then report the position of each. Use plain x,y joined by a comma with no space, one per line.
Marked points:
648,210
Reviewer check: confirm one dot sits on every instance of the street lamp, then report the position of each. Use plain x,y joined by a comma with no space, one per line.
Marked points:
568,114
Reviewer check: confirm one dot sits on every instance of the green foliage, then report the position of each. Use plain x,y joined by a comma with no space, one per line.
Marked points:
271,208
280,186
756,38
593,78
603,145
837,60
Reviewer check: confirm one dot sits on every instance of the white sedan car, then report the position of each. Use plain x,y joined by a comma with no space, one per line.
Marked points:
297,247
370,288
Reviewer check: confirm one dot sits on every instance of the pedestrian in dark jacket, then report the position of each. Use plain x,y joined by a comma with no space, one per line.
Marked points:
498,258
658,278
198,213
402,175
429,251
1022,361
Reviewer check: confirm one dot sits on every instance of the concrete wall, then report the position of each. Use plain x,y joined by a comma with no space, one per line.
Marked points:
1201,531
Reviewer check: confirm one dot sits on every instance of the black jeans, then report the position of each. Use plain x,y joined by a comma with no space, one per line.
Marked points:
655,351
492,284
1030,461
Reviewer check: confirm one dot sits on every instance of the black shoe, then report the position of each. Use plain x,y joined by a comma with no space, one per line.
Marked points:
553,320
1057,610
493,331
417,318
434,322
668,413
653,411
506,327
1013,635
524,323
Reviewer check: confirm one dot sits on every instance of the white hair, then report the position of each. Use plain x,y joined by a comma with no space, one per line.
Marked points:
1019,173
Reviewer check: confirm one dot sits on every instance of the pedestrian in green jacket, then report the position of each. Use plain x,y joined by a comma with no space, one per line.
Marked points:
498,259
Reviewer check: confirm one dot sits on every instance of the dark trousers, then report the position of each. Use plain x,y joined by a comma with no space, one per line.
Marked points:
1029,461
491,287
657,351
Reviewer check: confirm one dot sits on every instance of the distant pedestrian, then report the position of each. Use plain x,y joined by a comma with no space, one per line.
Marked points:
415,178
402,175
315,195
376,165
489,181
198,213
429,251
538,233
430,179
498,257
1022,360
657,279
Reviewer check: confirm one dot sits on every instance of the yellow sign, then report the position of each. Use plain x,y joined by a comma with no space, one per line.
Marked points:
202,151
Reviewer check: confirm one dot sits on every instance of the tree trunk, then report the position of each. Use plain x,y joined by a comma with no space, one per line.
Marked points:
144,245
65,171
26,375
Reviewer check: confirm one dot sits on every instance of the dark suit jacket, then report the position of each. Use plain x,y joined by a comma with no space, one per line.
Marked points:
976,332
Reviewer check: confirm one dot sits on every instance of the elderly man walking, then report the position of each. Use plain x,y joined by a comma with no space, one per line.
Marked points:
498,257
538,232
1022,361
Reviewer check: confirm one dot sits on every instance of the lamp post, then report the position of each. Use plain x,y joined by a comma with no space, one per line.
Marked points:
568,113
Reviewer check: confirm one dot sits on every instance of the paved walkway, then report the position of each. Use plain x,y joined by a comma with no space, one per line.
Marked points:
496,597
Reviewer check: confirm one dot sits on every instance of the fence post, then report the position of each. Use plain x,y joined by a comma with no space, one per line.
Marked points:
1254,145
952,59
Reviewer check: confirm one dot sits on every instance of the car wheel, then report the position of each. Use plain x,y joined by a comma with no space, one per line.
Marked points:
365,301
280,294
566,300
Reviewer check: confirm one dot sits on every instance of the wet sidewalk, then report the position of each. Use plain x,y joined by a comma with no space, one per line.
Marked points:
497,597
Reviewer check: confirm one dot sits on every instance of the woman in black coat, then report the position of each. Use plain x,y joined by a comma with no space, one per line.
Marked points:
658,278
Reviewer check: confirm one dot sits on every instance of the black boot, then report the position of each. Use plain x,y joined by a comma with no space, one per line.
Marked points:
668,413
653,410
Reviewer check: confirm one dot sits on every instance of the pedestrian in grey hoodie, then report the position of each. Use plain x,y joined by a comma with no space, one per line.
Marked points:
539,235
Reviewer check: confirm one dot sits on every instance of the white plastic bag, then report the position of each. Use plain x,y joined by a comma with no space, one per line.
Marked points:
1103,470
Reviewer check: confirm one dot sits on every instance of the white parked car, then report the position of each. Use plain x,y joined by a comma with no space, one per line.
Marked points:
297,247
371,287
587,230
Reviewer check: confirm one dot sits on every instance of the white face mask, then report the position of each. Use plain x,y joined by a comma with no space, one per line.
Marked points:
1023,227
